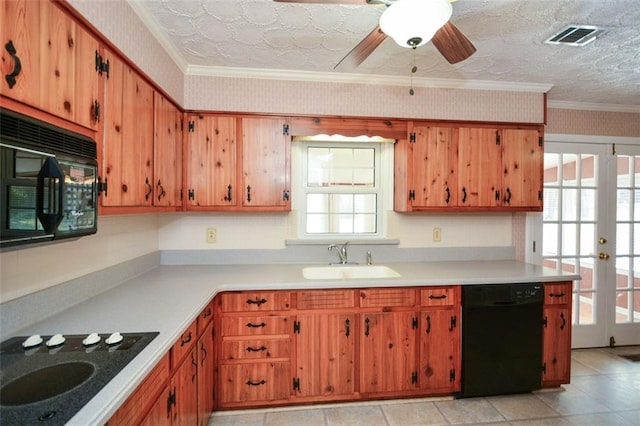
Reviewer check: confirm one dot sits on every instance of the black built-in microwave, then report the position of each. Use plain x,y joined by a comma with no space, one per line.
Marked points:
49,184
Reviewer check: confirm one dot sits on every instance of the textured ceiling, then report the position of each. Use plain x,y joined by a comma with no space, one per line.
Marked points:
210,35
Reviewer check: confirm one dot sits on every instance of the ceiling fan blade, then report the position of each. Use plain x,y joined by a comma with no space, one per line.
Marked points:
452,44
358,54
363,2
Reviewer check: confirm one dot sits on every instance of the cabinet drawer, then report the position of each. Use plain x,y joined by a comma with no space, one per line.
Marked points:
205,318
264,381
387,297
557,293
438,296
183,345
325,299
255,349
255,326
255,301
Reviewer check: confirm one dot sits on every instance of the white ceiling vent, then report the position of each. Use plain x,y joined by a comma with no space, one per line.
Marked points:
575,35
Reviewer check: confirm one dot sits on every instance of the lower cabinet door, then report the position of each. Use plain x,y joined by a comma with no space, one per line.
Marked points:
439,351
160,413
255,382
206,371
185,388
556,346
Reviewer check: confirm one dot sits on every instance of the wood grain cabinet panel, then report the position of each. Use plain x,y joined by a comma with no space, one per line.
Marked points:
255,301
167,180
556,335
255,325
325,299
439,296
479,167
439,335
255,349
255,383
206,374
388,297
325,347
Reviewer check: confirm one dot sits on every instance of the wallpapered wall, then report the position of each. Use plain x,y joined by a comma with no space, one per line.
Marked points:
595,123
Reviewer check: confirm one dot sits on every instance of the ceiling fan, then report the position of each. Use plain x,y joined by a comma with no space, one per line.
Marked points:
411,23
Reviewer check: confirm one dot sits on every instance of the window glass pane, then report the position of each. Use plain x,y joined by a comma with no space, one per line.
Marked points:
551,170
587,239
622,271
636,204
340,167
364,203
550,239
587,170
623,304
317,203
569,203
569,238
551,199
363,177
588,204
623,210
317,223
623,238
342,223
569,169
341,203
365,223
624,173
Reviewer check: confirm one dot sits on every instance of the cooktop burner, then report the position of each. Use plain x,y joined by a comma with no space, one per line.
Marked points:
48,379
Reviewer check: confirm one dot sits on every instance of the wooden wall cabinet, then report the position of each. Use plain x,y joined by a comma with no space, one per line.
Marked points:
225,175
57,59
556,335
167,160
127,140
450,167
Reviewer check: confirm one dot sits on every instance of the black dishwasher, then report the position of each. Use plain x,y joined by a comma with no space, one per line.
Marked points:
501,339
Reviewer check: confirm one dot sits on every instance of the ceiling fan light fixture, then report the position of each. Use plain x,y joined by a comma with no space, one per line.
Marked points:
412,23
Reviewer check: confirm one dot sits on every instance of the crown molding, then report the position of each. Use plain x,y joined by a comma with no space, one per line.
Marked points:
353,78
593,107
149,22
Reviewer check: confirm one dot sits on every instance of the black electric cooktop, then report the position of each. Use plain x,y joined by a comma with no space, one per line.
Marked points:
48,385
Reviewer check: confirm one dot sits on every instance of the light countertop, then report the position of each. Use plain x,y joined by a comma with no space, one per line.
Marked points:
168,299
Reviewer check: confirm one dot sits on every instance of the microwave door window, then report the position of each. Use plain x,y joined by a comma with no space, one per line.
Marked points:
22,208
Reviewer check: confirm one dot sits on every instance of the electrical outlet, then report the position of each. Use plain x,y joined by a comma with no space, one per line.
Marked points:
211,235
437,235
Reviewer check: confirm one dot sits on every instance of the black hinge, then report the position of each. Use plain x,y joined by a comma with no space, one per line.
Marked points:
102,186
101,65
296,327
412,137
452,375
171,401
95,111
539,140
497,138
191,127
285,195
539,195
414,323
192,194
454,322
544,367
285,129
414,377
412,194
545,322
296,384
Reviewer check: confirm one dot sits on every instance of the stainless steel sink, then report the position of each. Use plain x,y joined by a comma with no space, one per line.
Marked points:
348,272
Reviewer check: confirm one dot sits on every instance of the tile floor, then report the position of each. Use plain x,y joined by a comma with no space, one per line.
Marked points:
604,390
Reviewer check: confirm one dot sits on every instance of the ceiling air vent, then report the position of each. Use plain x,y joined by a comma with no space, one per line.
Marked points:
575,35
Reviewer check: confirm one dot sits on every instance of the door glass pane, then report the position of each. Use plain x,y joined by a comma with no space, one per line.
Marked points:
550,240
623,238
569,203
587,239
569,239
623,210
588,204
569,169
551,201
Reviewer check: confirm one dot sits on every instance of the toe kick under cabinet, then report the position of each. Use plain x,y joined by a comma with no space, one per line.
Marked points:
294,347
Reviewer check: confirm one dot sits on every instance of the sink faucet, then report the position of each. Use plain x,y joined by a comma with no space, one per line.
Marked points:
342,251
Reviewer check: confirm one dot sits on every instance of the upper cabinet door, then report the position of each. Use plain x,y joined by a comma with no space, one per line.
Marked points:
128,137
479,167
266,147
434,160
168,153
50,61
212,161
523,167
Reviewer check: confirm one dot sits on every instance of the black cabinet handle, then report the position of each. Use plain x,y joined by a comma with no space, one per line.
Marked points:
464,195
207,313
203,349
366,327
256,301
448,196
248,193
187,340
260,349
17,65
564,321
261,325
439,297
508,198
161,192
347,326
228,197
149,189
261,382
428,324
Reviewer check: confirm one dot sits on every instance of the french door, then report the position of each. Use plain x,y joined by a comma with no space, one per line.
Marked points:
591,226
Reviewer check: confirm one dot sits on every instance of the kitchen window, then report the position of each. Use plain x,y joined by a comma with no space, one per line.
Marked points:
341,190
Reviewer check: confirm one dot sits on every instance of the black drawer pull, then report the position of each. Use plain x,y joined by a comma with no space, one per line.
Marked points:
428,324
564,321
556,294
261,382
261,325
260,349
207,313
440,297
186,340
256,302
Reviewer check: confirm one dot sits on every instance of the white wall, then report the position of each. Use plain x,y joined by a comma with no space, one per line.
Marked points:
119,238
